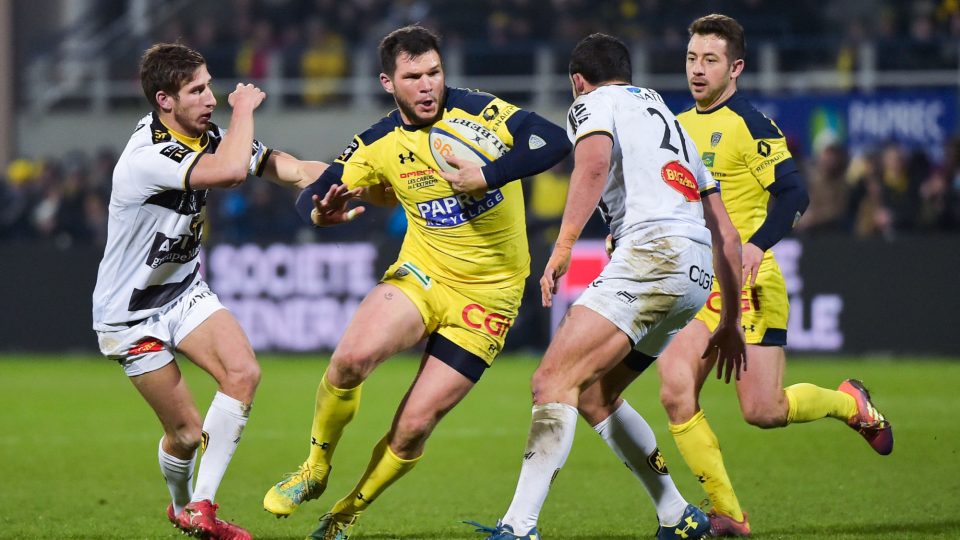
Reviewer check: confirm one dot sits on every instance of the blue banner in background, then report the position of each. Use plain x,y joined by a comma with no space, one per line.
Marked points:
917,119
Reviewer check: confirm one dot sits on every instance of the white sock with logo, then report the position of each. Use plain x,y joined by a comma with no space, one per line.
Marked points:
548,445
179,476
632,440
222,428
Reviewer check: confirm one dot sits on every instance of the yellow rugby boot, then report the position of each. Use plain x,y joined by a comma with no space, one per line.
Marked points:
296,488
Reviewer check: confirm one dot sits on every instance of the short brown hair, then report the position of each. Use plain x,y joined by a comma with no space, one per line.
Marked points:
167,67
412,40
727,28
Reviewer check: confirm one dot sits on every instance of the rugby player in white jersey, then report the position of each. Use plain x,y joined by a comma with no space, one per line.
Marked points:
150,300
634,161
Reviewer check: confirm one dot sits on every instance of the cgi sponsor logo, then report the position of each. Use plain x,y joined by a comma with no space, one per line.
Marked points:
748,301
457,209
494,323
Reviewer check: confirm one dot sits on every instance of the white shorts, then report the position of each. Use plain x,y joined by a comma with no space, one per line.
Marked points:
150,345
651,290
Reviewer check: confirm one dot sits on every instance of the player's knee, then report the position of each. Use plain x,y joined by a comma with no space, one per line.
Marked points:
764,416
543,381
413,431
243,379
352,367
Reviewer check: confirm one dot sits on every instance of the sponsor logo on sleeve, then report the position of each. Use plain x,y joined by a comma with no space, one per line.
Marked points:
349,150
763,148
578,115
175,152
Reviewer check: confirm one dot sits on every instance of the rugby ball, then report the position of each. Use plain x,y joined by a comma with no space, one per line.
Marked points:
467,140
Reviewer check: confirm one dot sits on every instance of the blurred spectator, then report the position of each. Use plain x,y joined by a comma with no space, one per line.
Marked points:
827,186
322,63
256,53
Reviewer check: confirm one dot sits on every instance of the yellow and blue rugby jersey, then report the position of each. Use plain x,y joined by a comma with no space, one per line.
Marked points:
452,237
745,151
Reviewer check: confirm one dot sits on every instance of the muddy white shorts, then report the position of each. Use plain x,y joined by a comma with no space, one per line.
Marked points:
652,289
150,344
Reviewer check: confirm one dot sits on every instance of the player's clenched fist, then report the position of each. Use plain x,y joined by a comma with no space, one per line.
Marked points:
246,95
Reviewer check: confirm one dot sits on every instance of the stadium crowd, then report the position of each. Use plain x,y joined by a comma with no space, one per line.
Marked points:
891,189
886,191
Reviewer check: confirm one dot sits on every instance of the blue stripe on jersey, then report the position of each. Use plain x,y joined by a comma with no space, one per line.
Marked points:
468,100
472,149
760,126
381,129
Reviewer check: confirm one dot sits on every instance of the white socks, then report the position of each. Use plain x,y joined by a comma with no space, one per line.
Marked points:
548,445
221,432
179,476
632,440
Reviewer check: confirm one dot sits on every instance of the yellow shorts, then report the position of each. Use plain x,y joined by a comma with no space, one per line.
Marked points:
476,320
765,307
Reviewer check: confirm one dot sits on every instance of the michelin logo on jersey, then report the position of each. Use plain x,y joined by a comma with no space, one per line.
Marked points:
458,209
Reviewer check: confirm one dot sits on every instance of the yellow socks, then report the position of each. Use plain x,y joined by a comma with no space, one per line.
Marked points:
808,402
384,469
335,407
701,450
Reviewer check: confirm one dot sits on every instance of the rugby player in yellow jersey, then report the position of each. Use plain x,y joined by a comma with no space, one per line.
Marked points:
458,278
747,154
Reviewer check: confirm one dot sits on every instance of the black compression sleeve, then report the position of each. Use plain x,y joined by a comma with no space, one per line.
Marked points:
790,200
538,144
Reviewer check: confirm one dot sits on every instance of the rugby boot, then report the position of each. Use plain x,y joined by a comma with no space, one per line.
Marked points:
333,527
504,532
693,525
296,488
171,516
868,421
725,526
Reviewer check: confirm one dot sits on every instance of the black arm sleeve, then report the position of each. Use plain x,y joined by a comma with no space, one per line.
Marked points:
523,159
790,201
330,177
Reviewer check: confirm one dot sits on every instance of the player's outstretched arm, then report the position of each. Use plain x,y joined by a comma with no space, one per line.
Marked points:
228,167
726,343
282,168
591,166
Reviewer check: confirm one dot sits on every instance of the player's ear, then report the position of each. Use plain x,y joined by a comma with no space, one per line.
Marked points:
165,101
578,83
736,68
386,83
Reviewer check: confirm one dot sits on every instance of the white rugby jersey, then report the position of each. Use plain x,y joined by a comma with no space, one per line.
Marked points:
155,224
656,175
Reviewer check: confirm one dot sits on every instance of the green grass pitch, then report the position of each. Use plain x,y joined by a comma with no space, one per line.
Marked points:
78,457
